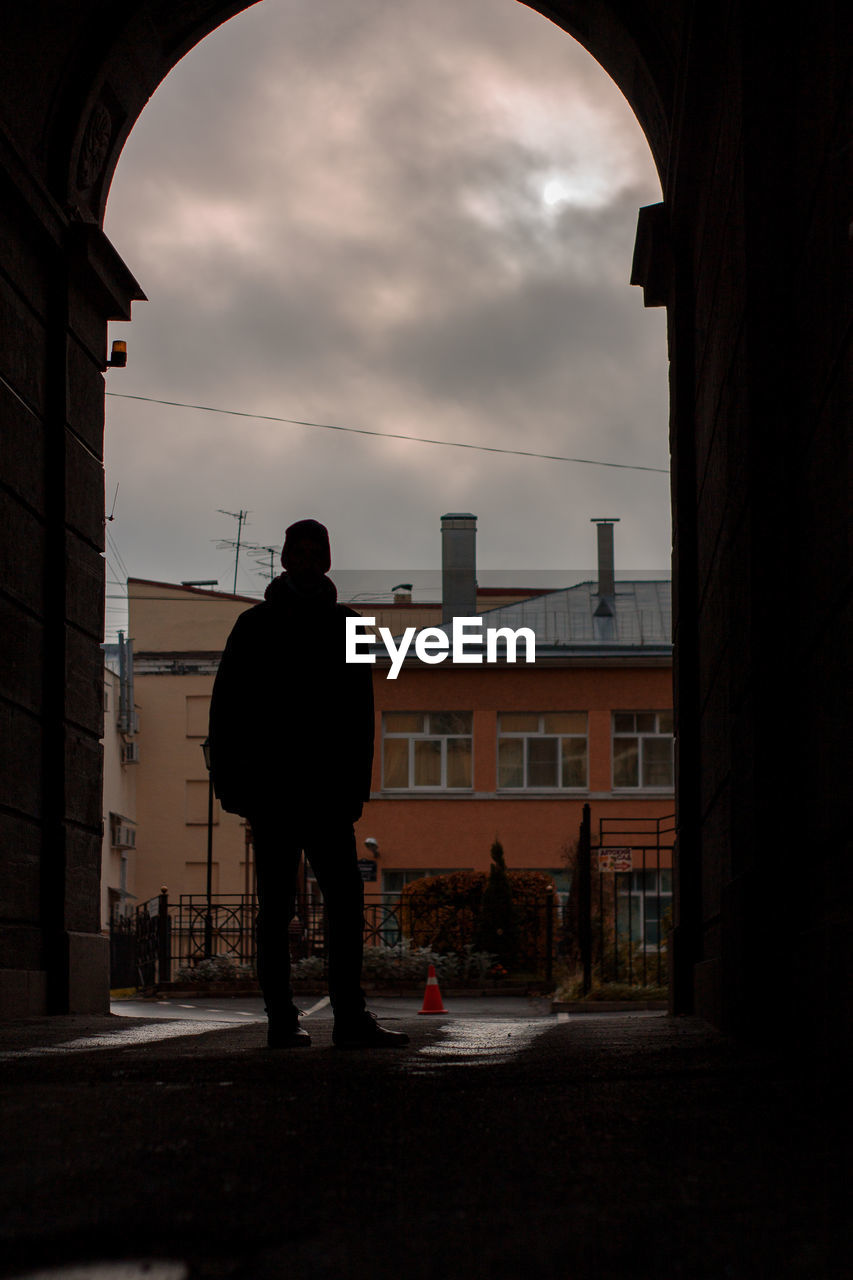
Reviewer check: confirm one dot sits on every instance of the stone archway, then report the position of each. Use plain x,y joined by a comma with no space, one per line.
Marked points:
745,251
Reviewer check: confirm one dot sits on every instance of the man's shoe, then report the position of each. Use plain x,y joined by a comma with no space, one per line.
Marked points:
287,1036
365,1032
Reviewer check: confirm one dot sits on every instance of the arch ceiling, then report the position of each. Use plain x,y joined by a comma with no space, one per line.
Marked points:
92,116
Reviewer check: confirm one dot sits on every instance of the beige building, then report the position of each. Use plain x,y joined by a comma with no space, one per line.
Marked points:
179,633
121,750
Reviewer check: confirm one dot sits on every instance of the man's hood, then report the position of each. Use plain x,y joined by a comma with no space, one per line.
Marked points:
282,594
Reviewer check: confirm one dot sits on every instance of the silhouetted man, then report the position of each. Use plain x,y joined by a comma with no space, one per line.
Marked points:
291,740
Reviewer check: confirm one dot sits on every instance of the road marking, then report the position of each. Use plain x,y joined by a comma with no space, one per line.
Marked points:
315,1008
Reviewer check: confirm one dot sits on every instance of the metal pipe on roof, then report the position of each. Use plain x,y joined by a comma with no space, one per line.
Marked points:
458,566
606,562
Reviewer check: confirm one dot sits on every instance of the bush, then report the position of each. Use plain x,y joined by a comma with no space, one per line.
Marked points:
405,964
534,895
497,927
570,987
442,913
217,969
309,969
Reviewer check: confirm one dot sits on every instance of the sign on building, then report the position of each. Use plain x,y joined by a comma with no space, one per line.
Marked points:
615,859
367,867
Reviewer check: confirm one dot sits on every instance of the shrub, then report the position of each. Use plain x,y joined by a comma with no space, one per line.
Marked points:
406,964
497,926
442,913
533,894
217,969
570,987
309,969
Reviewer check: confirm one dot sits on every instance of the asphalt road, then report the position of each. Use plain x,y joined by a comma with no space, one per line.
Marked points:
499,1145
244,1010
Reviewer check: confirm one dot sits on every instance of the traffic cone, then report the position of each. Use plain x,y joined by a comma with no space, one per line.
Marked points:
432,995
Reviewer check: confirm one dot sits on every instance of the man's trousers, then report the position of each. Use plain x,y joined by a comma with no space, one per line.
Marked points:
327,838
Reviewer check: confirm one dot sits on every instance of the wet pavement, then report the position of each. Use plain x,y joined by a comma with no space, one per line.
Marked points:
500,1143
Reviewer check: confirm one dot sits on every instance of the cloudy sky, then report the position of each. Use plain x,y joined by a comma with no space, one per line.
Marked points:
404,218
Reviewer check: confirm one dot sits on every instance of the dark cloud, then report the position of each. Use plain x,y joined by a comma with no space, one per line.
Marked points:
339,213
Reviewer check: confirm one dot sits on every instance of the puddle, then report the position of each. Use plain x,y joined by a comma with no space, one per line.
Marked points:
479,1043
163,1030
141,1270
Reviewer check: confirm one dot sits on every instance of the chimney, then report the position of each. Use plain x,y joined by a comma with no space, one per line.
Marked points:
606,570
458,565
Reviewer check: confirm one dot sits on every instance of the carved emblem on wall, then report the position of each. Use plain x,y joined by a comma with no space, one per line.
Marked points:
94,147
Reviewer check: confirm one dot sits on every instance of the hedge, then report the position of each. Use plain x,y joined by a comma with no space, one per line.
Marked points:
442,912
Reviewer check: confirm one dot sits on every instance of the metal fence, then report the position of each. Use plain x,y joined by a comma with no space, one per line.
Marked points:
617,920
170,936
635,900
140,945
624,900
224,927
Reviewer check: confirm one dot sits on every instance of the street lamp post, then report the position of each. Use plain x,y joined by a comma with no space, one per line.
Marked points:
208,919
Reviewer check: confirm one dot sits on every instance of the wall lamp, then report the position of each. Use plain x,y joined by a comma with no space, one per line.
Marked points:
118,355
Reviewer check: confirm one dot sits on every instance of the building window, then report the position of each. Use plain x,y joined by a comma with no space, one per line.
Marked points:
642,749
542,749
122,832
426,749
645,906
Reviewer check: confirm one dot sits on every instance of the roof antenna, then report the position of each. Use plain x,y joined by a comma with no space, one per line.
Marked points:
242,517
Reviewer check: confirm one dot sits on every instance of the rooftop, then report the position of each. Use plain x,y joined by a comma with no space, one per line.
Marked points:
578,619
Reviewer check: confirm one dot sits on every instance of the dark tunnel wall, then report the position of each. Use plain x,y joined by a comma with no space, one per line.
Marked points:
749,122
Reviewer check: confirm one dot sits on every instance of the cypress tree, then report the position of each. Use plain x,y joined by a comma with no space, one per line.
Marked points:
498,928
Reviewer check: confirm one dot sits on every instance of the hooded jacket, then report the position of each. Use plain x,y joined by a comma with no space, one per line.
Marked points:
291,722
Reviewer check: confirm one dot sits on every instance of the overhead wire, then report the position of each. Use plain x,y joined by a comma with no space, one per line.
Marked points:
117,554
387,435
111,542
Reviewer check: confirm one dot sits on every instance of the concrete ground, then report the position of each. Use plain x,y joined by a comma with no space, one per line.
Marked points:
502,1143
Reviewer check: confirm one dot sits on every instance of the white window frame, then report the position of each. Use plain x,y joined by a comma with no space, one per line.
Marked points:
641,735
427,735
540,734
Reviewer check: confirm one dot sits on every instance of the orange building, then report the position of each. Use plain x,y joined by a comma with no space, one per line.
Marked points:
467,753
475,746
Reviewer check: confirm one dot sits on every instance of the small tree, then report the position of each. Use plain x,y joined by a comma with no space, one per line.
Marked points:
498,927
571,909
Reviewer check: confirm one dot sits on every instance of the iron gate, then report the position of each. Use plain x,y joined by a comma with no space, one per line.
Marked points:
624,899
140,945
